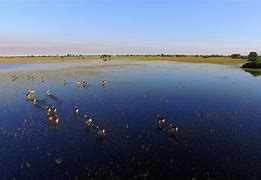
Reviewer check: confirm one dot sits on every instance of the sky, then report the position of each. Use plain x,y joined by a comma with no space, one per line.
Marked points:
57,27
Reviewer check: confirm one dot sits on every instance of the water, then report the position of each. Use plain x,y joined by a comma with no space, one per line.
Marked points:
216,108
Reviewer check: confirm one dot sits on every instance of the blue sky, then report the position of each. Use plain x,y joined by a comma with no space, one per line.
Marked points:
129,26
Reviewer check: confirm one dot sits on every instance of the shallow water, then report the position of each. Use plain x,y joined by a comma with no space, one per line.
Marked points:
216,108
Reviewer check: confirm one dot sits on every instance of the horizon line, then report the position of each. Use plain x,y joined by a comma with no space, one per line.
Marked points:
113,54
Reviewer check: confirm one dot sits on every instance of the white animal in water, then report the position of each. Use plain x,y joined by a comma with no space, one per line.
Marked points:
30,94
77,110
173,130
31,91
34,101
48,111
50,118
101,131
161,122
88,121
56,119
78,83
47,92
54,109
85,84
104,82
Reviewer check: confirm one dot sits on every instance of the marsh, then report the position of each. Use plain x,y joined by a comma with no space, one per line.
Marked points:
216,108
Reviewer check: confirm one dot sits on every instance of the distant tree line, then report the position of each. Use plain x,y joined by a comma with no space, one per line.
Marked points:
251,56
66,55
238,56
213,55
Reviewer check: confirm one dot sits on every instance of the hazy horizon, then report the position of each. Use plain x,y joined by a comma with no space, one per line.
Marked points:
56,27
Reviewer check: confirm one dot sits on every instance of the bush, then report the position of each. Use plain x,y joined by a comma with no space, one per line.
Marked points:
253,64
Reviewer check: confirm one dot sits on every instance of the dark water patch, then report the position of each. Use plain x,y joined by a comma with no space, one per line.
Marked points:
218,120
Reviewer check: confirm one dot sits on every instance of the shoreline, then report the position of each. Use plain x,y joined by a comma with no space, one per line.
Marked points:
189,59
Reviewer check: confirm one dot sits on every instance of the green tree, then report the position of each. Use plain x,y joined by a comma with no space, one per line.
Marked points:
253,56
236,56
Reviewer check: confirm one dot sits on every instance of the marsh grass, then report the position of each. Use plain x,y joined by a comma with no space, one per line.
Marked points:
190,59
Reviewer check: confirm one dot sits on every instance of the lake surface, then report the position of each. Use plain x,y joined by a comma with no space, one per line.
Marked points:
216,108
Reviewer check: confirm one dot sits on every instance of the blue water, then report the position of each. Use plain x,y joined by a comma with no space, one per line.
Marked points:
216,108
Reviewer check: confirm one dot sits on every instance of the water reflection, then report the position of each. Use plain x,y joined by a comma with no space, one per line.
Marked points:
253,72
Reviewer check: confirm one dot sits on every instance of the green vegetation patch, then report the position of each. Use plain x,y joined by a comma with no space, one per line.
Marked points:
254,61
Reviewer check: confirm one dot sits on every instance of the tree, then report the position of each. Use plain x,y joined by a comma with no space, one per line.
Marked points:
253,56
236,56
255,61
